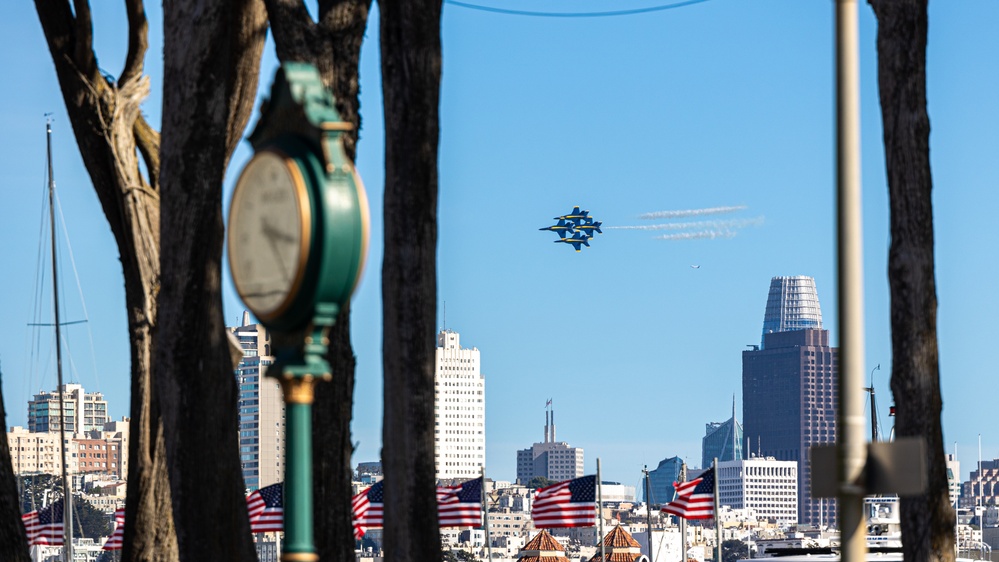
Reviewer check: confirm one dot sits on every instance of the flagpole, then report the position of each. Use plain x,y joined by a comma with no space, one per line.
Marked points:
718,537
600,513
485,514
683,520
648,509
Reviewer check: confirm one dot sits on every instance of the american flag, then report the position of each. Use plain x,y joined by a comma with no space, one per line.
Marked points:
266,509
45,525
694,499
457,506
461,505
367,508
567,504
118,536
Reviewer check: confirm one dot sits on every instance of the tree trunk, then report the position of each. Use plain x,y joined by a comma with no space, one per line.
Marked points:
13,539
212,54
333,45
111,133
927,519
411,75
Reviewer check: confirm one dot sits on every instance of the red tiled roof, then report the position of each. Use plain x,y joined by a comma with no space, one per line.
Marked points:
544,541
543,548
620,538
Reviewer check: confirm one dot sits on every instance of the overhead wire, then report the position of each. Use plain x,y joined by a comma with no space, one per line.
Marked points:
611,13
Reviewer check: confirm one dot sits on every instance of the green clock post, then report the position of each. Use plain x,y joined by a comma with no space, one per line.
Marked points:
298,237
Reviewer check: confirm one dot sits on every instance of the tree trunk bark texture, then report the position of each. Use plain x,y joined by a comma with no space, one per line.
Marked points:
111,134
411,75
13,539
333,45
212,54
927,519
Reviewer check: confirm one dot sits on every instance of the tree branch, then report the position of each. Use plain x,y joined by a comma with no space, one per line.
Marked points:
83,49
147,140
295,34
138,32
57,24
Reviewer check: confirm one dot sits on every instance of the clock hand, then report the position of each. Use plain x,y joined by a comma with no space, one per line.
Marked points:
272,240
273,232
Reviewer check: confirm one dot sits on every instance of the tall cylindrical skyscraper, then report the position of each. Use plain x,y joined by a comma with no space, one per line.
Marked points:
793,304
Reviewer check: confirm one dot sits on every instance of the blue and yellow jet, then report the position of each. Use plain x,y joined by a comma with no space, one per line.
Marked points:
576,216
561,229
589,226
577,241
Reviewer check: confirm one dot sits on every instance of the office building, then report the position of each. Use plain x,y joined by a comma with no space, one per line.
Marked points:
792,304
459,410
789,394
103,451
83,411
661,481
261,408
766,485
551,459
722,440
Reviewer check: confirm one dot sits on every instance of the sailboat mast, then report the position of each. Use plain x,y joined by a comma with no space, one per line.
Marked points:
67,496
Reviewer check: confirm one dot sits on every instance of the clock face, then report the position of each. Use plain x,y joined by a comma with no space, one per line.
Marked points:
269,233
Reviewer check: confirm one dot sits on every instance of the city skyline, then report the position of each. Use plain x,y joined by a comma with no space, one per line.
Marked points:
627,324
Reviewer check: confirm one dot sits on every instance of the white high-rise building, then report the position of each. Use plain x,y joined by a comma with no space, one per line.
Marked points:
767,486
261,409
459,410
84,411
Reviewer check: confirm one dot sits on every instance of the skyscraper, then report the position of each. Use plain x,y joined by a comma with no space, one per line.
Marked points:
793,304
261,409
722,440
661,481
459,410
551,459
789,389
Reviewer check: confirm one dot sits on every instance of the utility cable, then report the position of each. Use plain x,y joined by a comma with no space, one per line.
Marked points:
612,13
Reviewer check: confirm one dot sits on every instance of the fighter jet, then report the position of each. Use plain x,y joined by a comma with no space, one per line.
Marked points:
589,226
578,240
563,227
575,216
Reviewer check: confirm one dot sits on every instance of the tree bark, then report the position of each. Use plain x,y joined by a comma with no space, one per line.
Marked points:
927,519
333,45
111,133
411,75
13,539
212,54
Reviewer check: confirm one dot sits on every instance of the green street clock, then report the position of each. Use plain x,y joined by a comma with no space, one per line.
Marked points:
298,222
298,236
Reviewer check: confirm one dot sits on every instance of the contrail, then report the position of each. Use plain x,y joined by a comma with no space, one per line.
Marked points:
734,223
708,234
690,213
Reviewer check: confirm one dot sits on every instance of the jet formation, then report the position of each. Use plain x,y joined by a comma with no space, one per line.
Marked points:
575,228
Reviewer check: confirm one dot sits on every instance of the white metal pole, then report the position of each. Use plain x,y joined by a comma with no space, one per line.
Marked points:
853,448
718,529
683,520
600,514
485,515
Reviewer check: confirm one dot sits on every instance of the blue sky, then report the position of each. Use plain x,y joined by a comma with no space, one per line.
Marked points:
722,103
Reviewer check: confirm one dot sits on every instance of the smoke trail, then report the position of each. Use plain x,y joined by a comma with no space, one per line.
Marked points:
726,224
690,213
705,234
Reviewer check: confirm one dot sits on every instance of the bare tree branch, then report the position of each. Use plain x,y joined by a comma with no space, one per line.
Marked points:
294,31
147,140
138,42
83,50
57,23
